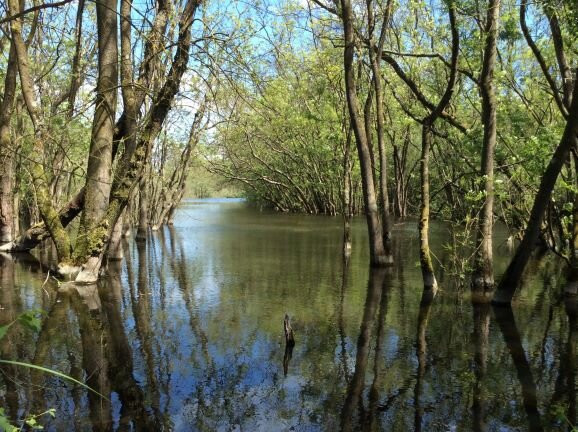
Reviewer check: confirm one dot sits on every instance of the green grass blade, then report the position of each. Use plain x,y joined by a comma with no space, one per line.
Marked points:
53,372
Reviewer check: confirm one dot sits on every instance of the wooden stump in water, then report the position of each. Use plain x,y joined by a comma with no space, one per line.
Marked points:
289,338
287,358
289,344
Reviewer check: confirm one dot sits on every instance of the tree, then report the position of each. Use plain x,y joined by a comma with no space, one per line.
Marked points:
483,277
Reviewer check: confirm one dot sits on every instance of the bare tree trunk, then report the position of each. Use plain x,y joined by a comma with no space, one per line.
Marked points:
400,169
92,232
376,247
483,277
7,151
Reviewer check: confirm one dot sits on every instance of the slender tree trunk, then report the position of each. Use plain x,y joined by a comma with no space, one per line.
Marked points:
574,234
483,277
427,271
143,208
376,247
376,82
347,210
511,278
7,151
93,233
429,280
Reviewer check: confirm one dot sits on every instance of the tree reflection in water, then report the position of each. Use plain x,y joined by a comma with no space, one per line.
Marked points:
186,335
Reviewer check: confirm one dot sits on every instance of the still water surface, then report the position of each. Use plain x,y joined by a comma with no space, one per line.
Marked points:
187,334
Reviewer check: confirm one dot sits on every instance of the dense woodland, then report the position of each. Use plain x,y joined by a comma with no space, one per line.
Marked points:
457,110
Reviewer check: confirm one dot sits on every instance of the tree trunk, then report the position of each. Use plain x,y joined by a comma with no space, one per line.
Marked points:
376,82
115,251
376,248
93,232
32,237
347,210
511,278
143,208
483,277
427,271
7,151
130,171
36,168
429,280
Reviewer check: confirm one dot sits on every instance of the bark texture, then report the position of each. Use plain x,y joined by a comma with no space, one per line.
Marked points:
483,277
376,247
7,151
93,230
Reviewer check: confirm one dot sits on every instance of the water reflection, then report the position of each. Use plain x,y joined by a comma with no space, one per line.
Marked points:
10,307
353,399
133,400
186,334
421,350
507,324
481,336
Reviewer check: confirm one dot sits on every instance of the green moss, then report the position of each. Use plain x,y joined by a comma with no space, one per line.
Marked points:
91,243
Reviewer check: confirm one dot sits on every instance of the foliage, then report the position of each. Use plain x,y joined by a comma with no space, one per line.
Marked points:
31,320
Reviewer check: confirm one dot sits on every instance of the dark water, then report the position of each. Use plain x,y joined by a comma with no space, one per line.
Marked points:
186,334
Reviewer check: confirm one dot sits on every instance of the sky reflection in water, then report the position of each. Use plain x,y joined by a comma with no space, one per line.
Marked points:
187,334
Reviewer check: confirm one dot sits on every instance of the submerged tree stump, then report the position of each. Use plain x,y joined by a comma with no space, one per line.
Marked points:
289,338
289,344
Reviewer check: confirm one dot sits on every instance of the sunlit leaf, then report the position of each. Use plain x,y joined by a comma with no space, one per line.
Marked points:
56,373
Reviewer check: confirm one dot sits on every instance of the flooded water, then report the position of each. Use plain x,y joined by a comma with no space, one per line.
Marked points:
187,335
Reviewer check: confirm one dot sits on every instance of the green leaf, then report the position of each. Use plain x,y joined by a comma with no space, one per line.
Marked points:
56,373
30,320
5,424
4,330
